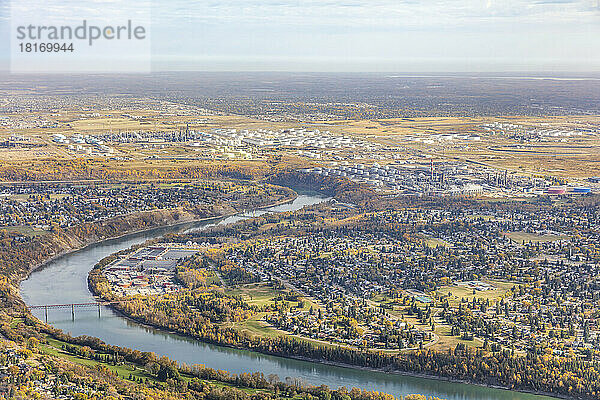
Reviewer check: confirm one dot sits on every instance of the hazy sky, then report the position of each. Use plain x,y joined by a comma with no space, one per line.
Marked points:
368,35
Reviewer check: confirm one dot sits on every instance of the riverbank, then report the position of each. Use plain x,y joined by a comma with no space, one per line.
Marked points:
170,221
435,377
67,251
160,328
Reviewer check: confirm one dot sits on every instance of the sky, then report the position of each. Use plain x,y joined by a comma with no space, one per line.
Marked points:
360,35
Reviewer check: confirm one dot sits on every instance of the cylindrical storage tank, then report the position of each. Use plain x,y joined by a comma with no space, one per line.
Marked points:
581,190
557,190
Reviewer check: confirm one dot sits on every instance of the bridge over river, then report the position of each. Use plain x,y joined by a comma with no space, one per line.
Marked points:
72,306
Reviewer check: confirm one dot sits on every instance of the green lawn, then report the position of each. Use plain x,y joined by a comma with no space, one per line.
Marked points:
25,197
434,242
25,230
256,327
519,237
447,341
258,294
459,292
54,348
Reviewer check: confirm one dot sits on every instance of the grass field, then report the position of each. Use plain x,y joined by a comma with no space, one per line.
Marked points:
447,341
434,242
444,340
255,293
460,292
25,197
24,230
261,294
255,326
576,156
54,348
520,237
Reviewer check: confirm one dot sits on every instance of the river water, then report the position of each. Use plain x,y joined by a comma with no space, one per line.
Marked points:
64,280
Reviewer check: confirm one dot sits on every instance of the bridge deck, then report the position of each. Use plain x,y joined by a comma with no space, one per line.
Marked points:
72,305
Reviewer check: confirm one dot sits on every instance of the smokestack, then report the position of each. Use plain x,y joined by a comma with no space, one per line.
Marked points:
431,167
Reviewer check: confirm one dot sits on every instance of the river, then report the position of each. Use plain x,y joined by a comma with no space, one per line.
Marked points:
64,280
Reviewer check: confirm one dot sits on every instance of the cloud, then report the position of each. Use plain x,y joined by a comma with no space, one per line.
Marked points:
67,11
374,13
544,32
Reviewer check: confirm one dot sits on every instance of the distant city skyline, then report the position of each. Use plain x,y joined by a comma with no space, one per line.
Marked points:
370,36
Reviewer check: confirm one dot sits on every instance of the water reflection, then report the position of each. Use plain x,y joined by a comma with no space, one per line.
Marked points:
65,281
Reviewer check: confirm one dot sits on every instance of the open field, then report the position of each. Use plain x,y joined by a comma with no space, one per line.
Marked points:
54,348
447,341
261,294
574,157
458,292
520,237
443,339
434,242
24,230
255,326
258,294
443,138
